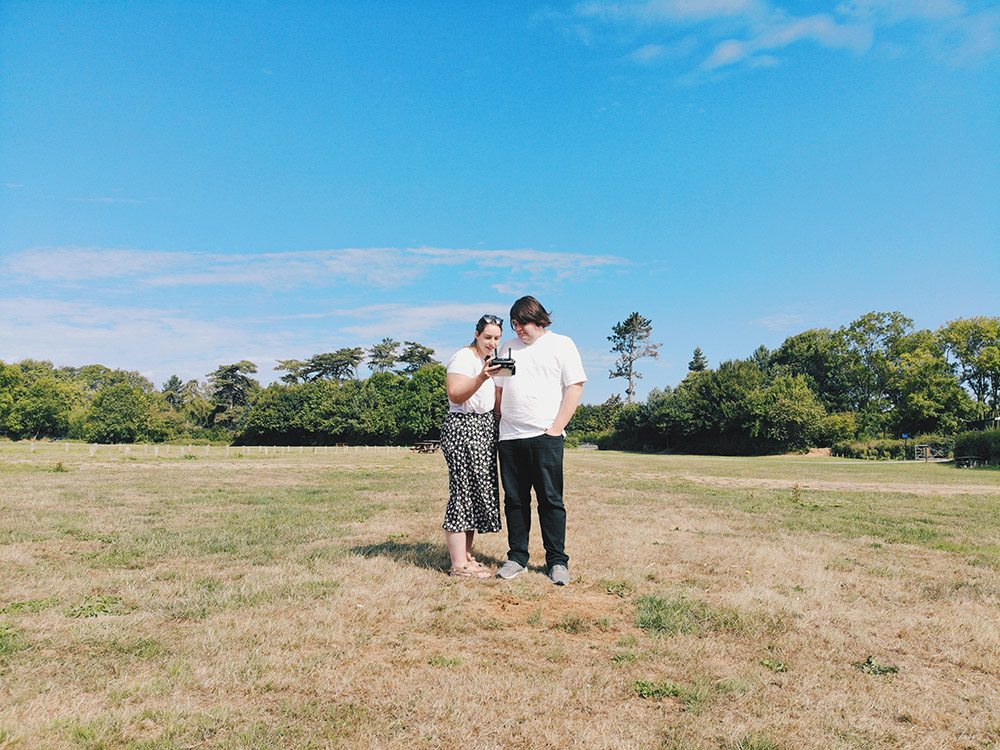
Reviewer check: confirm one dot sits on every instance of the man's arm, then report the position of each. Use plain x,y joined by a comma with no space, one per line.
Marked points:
571,399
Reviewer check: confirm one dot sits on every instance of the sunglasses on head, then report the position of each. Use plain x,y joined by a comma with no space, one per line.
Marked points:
491,319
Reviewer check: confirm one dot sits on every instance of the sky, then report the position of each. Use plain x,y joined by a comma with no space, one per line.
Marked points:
190,184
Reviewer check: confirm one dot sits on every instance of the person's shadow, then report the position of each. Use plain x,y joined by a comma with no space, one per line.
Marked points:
419,554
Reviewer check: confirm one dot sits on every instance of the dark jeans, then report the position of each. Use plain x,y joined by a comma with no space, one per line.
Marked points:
535,462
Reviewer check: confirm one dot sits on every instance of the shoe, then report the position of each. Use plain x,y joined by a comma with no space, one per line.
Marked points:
476,564
470,571
559,575
510,569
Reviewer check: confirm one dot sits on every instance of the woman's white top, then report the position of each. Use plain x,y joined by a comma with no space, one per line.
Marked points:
467,362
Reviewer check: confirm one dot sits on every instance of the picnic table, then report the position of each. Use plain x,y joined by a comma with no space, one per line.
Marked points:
427,446
969,462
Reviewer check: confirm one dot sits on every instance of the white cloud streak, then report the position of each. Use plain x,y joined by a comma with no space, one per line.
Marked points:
780,321
743,31
159,342
377,267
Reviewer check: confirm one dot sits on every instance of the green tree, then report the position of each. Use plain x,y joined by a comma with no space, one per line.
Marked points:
631,340
382,357
785,415
974,344
415,356
173,391
821,356
592,418
872,343
231,389
294,369
120,414
424,404
699,362
339,365
926,395
277,416
11,386
43,408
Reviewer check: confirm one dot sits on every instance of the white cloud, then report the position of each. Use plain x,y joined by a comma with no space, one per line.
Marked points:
822,29
74,264
377,267
155,341
737,31
106,200
780,321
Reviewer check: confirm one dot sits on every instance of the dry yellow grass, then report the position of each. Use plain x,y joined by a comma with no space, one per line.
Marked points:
298,600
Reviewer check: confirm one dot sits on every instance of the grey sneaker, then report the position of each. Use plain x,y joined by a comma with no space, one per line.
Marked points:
559,575
510,569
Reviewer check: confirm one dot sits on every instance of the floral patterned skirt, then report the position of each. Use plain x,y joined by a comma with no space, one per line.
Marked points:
469,444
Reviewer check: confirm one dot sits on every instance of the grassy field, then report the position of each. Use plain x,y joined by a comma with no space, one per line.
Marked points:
299,600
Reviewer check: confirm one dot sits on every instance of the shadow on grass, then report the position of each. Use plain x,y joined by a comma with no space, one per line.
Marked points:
420,554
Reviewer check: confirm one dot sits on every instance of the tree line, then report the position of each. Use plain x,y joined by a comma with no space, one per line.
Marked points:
318,400
876,377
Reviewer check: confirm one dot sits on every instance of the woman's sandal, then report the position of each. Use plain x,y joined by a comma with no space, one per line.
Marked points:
469,570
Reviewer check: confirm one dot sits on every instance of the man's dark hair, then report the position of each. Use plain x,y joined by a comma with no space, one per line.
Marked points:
530,310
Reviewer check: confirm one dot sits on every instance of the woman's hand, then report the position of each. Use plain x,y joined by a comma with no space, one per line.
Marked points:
489,370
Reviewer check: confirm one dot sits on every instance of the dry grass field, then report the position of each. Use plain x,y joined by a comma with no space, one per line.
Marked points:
299,600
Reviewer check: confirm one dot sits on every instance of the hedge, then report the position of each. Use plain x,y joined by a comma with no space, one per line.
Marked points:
889,450
984,445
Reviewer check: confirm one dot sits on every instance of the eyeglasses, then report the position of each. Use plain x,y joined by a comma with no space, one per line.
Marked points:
491,319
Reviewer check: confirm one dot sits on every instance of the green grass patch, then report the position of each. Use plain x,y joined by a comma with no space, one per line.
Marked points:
670,615
97,606
12,640
31,606
694,697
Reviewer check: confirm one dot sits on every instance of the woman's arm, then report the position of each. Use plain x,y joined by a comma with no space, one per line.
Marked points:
461,387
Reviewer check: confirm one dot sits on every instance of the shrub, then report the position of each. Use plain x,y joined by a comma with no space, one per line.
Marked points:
889,450
985,445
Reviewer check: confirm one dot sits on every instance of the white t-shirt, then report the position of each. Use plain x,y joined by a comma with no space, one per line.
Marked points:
533,394
466,362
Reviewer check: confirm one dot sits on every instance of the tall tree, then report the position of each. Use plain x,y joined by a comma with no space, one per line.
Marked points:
630,339
974,344
382,356
294,370
872,343
415,356
699,362
120,414
172,391
232,389
339,365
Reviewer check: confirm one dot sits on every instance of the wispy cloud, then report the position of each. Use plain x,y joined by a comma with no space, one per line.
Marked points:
377,267
160,341
106,200
747,32
156,341
780,321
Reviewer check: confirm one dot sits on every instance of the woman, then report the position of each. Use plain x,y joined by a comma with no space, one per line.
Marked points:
468,440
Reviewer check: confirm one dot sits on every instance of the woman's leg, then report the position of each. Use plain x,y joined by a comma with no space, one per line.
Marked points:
469,536
458,547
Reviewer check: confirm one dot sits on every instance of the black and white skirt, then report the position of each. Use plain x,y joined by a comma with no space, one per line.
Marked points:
469,444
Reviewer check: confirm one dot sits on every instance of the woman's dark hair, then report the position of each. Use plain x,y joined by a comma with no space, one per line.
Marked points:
530,310
485,321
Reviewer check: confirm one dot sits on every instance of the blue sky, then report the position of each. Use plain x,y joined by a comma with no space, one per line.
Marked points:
189,184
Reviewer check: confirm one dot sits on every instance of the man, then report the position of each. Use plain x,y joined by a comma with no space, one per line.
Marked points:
536,403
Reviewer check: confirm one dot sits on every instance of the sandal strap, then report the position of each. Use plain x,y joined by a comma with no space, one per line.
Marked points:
468,571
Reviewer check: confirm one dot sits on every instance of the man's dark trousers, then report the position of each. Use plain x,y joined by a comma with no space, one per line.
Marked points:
526,463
